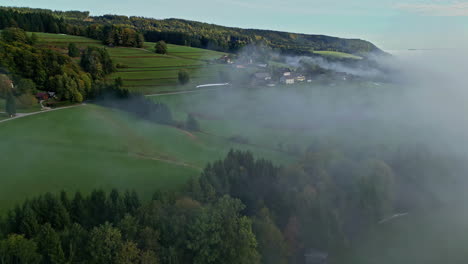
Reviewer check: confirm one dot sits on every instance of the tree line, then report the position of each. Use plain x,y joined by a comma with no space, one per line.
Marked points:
131,31
38,21
32,69
239,210
119,228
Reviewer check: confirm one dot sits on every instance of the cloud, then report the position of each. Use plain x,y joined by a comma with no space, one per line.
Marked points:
436,8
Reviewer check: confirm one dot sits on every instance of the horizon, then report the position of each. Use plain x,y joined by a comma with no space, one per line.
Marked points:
390,26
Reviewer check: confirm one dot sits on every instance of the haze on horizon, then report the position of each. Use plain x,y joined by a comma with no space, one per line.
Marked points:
391,25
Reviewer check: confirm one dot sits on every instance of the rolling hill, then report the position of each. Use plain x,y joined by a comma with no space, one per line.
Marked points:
141,68
179,31
89,146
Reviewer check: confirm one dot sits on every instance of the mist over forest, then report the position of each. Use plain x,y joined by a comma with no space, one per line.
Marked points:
139,140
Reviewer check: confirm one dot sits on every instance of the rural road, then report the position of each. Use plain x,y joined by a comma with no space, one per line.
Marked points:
183,92
20,115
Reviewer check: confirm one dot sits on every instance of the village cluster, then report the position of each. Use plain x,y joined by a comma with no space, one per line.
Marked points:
266,75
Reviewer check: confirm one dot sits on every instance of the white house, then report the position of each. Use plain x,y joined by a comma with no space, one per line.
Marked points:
287,79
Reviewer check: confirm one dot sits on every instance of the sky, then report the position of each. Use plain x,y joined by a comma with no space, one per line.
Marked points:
390,24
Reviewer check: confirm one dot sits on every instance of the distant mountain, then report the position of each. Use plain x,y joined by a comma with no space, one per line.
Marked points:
189,33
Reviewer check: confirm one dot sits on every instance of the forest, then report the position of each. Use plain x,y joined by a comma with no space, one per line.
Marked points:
129,31
239,210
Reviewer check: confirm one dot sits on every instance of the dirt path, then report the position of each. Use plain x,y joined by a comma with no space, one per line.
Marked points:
170,161
190,135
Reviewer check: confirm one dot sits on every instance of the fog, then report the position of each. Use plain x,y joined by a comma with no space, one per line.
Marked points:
421,107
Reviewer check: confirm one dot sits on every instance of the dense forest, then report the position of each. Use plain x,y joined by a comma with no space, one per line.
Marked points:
239,210
129,31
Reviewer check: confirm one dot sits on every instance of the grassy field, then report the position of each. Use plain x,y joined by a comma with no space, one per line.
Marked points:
90,147
336,54
145,71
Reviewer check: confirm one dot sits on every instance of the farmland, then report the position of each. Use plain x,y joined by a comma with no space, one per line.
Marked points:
145,71
336,54
89,147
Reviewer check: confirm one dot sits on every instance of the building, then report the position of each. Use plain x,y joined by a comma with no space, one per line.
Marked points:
287,79
42,96
285,72
316,257
51,94
300,78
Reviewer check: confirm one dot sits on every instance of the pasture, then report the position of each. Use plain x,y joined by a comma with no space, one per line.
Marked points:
337,54
145,71
90,147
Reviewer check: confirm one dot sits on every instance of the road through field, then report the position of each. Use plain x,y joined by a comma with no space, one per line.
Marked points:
20,115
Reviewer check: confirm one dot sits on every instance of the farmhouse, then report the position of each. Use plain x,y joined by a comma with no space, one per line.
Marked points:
42,96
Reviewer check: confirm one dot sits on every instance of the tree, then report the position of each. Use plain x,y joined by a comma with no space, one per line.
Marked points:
271,243
183,77
161,47
49,245
33,39
10,106
27,100
118,82
97,62
24,86
73,50
105,244
191,123
5,86
14,34
74,240
148,257
129,254
221,234
19,250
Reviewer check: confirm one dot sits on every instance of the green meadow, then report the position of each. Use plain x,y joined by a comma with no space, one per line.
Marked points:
337,54
89,146
145,71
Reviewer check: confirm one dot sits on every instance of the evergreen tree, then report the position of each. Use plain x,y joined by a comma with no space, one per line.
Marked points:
74,241
78,210
49,245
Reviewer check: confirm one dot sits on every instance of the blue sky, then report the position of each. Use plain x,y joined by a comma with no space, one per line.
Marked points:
391,24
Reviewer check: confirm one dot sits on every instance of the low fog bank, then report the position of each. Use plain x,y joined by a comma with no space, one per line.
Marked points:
419,108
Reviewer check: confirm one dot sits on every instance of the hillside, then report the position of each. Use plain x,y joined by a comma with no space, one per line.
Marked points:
141,69
90,147
179,31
